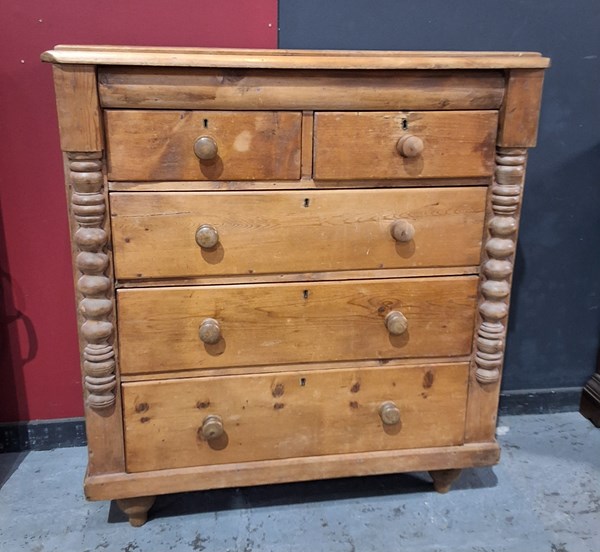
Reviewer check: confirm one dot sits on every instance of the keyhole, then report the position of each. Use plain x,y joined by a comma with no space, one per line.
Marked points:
404,124
305,294
205,123
302,382
306,202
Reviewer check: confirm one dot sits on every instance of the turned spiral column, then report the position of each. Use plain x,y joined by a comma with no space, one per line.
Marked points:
498,263
94,284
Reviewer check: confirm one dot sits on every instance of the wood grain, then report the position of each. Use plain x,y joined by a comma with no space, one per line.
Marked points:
78,109
157,145
266,324
292,414
120,485
443,479
362,145
305,367
385,273
504,206
303,184
307,144
91,231
294,231
136,509
175,88
94,278
520,112
290,59
87,197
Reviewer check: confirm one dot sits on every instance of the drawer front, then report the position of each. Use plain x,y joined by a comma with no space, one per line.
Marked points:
218,88
292,414
154,234
366,145
162,145
263,324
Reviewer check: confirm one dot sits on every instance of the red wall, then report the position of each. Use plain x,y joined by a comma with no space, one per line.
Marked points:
39,361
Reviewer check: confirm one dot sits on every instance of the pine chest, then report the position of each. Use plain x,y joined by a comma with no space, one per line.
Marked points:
290,265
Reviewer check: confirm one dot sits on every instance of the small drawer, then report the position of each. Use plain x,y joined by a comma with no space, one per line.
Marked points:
203,145
185,328
219,420
397,145
187,234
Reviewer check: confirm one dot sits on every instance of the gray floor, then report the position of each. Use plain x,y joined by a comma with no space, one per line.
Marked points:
543,496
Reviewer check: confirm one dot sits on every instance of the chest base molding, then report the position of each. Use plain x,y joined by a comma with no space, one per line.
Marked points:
123,485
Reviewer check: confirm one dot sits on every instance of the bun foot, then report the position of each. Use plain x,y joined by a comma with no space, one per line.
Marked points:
136,509
443,479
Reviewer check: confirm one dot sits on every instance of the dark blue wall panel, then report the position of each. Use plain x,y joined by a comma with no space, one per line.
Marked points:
554,328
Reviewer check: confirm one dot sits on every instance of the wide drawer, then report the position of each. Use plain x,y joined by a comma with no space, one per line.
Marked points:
263,324
154,234
166,145
410,144
217,420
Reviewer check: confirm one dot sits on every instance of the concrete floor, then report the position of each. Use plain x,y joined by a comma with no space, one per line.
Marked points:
544,496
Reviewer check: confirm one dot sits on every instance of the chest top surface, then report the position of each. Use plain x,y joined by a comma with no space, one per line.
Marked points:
294,59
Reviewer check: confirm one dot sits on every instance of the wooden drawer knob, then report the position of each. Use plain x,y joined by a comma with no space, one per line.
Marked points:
212,427
207,236
403,231
410,146
206,148
210,331
389,413
396,323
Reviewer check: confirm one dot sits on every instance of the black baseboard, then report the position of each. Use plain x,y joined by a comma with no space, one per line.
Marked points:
42,435
50,434
540,401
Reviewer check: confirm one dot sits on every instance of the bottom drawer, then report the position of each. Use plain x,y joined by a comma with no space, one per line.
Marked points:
216,420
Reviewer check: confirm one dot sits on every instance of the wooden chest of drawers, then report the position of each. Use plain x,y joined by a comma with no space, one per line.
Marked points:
290,265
